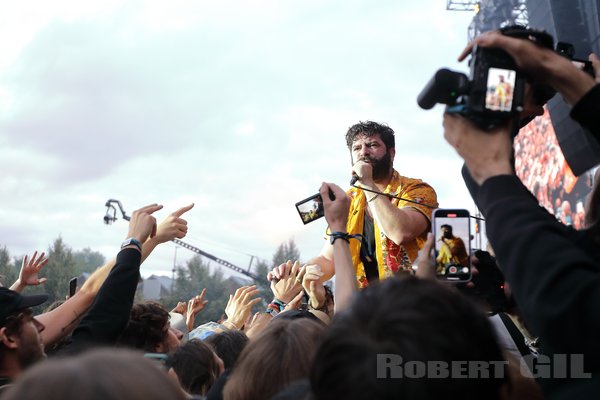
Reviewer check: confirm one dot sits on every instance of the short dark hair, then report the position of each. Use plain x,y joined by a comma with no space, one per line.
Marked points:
146,327
195,365
228,345
417,319
368,129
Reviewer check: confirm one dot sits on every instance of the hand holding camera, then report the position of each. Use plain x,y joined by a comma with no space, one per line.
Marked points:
572,78
336,204
502,63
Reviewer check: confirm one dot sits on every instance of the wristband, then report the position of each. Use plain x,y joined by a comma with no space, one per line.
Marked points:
271,311
132,241
333,236
280,305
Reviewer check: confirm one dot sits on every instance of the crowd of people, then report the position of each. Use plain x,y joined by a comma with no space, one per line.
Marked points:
541,166
388,330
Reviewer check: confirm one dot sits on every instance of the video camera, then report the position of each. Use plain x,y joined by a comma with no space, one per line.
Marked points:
494,90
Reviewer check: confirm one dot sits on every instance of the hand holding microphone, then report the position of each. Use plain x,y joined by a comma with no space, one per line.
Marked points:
362,171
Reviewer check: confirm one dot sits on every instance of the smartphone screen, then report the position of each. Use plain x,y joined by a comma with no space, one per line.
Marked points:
310,208
500,89
452,233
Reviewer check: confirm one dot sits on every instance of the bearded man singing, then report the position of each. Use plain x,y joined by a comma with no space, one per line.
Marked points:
392,230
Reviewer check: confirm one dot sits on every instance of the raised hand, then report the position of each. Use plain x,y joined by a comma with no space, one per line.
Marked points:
424,262
180,308
295,303
173,226
288,285
336,211
142,224
240,305
29,274
311,282
194,306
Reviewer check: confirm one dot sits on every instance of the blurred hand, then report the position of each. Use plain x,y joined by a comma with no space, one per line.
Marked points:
295,303
240,305
311,282
194,306
538,61
180,308
258,323
288,285
28,275
142,224
173,226
596,64
424,263
336,211
543,65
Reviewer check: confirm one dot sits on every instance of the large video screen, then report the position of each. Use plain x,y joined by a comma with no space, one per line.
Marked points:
541,165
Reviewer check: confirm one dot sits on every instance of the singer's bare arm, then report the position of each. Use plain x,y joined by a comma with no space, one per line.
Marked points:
325,262
400,225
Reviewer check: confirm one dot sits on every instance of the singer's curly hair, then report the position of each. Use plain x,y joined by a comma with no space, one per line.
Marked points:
368,129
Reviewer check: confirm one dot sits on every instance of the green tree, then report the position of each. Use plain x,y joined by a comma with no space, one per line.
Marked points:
59,270
87,260
191,280
262,269
9,272
286,251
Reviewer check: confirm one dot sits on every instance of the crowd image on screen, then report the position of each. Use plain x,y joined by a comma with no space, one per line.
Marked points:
541,165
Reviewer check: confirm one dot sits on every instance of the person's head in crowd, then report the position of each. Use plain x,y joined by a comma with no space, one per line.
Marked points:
374,143
195,366
417,320
149,329
102,374
228,345
20,333
281,354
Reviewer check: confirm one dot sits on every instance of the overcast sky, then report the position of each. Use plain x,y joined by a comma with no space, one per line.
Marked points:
238,106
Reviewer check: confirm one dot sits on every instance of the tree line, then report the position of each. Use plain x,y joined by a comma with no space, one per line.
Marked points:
65,263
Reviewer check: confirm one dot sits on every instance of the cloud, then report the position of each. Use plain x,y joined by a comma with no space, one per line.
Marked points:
239,107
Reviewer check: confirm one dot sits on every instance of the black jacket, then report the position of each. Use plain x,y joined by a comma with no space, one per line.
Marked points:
553,270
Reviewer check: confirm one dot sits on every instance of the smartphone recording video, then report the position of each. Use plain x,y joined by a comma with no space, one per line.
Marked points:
311,208
500,89
452,233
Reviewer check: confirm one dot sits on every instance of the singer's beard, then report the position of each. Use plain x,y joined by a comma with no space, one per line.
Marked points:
381,167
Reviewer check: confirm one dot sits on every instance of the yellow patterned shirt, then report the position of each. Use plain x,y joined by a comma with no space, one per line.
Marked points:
391,257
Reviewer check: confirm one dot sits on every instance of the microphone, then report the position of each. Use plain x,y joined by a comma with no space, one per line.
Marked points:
354,179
